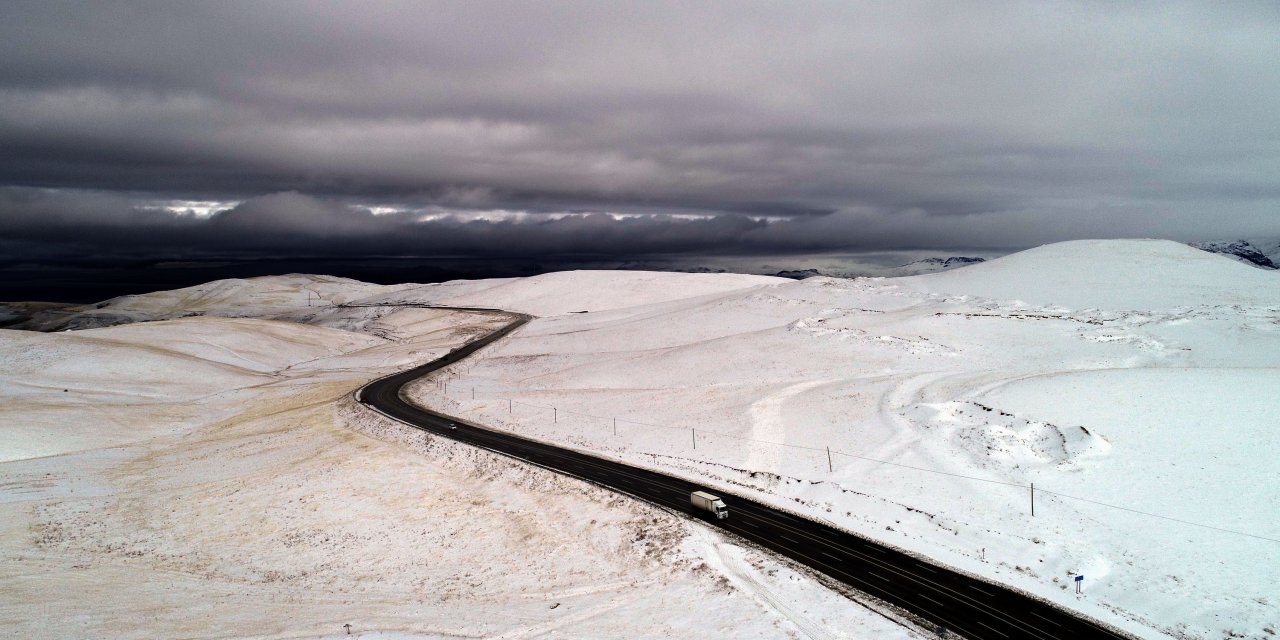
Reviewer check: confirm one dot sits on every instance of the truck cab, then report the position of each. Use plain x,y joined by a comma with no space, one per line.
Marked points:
703,501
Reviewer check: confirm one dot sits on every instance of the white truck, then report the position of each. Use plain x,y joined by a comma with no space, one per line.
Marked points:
706,502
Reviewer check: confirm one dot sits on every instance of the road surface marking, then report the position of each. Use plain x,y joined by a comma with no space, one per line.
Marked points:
989,627
1044,618
930,599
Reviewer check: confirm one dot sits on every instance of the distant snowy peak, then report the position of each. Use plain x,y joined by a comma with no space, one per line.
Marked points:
1242,250
947,263
933,265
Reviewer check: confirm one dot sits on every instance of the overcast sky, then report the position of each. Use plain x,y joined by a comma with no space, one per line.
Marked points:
475,128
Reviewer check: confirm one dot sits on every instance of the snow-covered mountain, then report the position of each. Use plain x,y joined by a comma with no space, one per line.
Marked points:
933,265
1242,250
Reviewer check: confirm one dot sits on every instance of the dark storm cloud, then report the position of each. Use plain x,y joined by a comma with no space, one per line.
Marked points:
300,224
851,125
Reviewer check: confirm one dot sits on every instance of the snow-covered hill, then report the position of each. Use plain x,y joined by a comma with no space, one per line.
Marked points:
1109,274
1121,376
573,291
210,477
299,298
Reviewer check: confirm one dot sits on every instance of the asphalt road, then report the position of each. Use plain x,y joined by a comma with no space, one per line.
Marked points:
960,604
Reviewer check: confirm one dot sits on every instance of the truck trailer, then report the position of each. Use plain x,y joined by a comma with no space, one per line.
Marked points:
704,501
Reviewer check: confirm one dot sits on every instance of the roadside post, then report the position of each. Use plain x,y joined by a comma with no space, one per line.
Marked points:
1079,582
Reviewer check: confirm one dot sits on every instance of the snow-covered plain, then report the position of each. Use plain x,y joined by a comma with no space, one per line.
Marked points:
1143,375
211,477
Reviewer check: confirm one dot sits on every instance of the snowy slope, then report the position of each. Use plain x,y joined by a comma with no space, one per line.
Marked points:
1144,274
212,478
1137,374
264,297
573,291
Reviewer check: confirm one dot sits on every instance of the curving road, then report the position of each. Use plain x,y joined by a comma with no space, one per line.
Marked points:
960,604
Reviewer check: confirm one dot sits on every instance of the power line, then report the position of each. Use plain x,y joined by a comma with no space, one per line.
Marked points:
1156,515
895,464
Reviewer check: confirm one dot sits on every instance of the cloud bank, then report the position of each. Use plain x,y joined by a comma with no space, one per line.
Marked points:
573,127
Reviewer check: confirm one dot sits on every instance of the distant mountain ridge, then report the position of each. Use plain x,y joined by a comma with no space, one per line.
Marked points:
913,268
933,265
946,263
1242,250
798,274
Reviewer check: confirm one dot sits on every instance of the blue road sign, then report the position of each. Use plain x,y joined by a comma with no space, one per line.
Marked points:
1079,578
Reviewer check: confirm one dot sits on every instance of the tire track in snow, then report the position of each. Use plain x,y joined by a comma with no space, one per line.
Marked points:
743,578
560,622
768,424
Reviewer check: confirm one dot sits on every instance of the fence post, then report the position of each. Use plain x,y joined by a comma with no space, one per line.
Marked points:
1033,499
830,466
694,432
555,415
510,404
615,426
